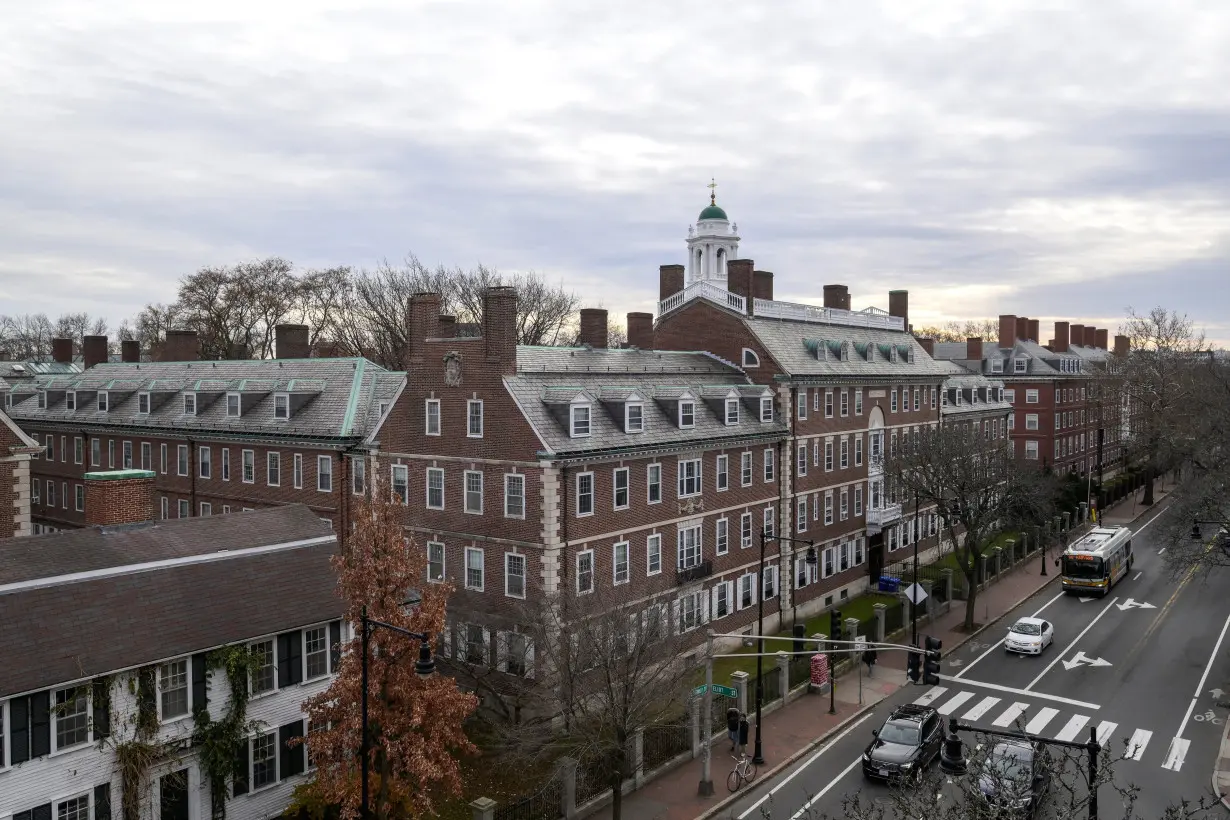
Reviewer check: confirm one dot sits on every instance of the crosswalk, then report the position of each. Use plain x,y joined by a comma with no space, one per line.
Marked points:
1046,721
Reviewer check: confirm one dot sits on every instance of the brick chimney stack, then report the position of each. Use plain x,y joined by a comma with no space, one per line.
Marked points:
447,326
640,330
291,342
1022,328
1101,338
1007,330
973,349
928,345
62,351
1078,335
593,328
1060,343
424,324
899,305
117,497
670,280
180,346
1091,336
1122,346
130,351
837,296
93,351
500,329
741,280
1034,330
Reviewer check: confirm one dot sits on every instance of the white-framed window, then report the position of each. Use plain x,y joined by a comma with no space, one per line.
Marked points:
769,587
770,461
844,403
189,404
585,494
42,400
858,500
264,760
750,359
514,575
1019,365
828,507
514,495
815,452
1031,450
474,418
233,405
828,455
264,666
476,570
431,417
174,693
435,488
721,536
585,571
620,488
315,652
125,453
620,563
181,460
917,401
766,408
399,483
143,404
205,466
96,454
745,468
769,521
828,403
358,475
205,509
687,414
653,481
73,808
653,554
801,403
634,417
473,502
273,469
72,717
723,603
800,459
845,453
689,477
184,510
247,461
281,406
578,415
324,474
747,590
732,411
745,530
932,398
103,401
166,508
800,515
858,401
1010,395
858,450
70,400
1031,421
723,473
78,497
844,509
435,561
688,542
1031,396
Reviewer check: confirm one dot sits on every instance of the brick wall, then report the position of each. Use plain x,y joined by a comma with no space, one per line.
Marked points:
699,325
119,497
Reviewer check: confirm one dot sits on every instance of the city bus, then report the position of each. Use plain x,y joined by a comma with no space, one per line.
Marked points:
1096,561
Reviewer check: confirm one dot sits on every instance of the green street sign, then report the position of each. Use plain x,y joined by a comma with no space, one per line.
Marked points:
699,690
728,691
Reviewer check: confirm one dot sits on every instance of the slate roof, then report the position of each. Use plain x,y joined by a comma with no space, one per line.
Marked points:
963,380
75,630
548,378
793,343
28,370
331,398
1041,363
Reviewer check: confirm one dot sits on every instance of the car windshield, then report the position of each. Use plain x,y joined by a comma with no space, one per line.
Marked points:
903,734
1008,762
1026,629
1083,567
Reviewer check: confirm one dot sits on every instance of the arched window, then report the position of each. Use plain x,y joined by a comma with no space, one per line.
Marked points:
721,263
750,359
700,263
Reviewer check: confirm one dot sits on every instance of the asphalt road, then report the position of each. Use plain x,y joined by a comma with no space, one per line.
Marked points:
1138,666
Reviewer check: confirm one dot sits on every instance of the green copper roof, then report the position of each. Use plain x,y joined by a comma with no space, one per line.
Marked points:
712,212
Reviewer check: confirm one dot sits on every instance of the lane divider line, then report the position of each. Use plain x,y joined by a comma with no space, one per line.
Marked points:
1178,751
825,790
1204,677
1070,646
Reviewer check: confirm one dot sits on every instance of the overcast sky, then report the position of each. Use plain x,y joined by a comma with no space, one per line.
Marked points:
1056,160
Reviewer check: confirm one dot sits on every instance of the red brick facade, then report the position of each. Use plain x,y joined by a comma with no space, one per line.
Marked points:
119,497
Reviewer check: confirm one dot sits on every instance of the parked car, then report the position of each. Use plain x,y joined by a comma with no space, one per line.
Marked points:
905,745
1015,776
1030,636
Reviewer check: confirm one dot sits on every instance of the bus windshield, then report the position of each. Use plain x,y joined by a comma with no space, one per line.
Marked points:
1083,567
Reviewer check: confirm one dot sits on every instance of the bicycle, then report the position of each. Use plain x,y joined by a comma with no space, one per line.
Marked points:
743,772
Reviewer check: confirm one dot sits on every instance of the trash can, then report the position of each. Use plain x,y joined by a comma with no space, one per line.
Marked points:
889,584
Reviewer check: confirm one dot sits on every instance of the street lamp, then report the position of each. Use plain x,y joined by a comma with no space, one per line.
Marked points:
914,582
425,667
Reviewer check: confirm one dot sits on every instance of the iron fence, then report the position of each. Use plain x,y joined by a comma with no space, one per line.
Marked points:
545,804
717,712
592,781
905,571
664,742
894,617
800,669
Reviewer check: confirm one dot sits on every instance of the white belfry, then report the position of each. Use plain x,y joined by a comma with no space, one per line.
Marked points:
712,242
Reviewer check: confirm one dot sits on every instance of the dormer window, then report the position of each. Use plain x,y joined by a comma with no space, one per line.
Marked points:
70,400
281,406
143,403
687,414
997,365
190,404
959,392
103,403
233,406
732,411
578,416
766,408
42,400
943,398
1019,365
750,359
634,418
892,353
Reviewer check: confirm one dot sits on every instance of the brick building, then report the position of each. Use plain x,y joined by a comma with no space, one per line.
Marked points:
221,436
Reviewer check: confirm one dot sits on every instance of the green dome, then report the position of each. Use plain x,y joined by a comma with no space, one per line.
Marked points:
712,212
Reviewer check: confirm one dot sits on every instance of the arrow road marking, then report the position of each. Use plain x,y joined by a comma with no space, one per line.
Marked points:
1216,693
1081,659
1178,751
981,709
1136,746
1045,715
1010,715
1072,728
954,703
1072,645
1133,604
1085,600
956,662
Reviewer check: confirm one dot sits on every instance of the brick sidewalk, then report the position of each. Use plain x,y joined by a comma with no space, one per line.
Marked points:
797,728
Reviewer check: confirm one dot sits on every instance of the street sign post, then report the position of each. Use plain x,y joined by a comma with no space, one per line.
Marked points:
860,643
699,690
915,594
725,691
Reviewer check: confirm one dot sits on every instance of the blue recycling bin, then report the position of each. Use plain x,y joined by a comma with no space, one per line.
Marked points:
889,584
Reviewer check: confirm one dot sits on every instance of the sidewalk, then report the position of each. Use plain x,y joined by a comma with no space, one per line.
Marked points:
802,725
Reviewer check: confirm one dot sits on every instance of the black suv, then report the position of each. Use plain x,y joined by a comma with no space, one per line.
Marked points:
904,746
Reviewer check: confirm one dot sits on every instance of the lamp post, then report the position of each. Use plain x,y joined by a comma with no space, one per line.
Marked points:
914,581
425,666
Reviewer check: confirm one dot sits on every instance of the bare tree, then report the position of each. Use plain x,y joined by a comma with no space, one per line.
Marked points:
544,312
77,326
974,483
27,337
959,331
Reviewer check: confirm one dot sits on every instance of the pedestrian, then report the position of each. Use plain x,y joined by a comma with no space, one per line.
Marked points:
743,730
869,658
732,726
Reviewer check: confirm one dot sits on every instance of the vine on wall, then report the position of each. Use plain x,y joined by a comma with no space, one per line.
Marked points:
217,741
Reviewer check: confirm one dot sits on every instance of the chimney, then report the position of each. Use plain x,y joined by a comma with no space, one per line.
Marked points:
762,285
1022,328
62,351
1078,335
1033,330
1091,336
447,326
670,280
640,330
899,305
117,497
424,323
837,296
1100,338
130,351
973,349
181,346
291,342
500,329
1122,345
593,328
1007,330
1060,345
93,351
740,279
928,345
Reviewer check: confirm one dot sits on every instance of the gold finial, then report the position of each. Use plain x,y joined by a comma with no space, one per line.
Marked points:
712,186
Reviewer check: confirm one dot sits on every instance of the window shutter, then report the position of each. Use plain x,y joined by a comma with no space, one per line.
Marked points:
239,776
42,812
730,597
501,651
23,815
703,603
40,724
529,657
290,658
290,758
102,802
335,646
674,624
19,731
713,599
200,694
100,696
486,646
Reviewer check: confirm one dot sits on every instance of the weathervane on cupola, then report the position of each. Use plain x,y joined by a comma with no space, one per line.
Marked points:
711,242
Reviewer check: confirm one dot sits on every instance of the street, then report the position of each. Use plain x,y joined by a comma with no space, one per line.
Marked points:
1143,666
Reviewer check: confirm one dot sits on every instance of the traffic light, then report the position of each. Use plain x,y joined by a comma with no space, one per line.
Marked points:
913,662
835,625
931,667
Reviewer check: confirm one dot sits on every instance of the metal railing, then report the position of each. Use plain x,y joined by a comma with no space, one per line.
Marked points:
884,515
703,290
664,742
694,573
871,317
545,804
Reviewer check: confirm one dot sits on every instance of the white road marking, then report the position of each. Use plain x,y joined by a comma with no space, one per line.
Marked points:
981,709
1163,549
1203,678
933,694
1174,757
1072,645
1136,746
1105,728
803,811
1045,715
1079,704
1136,577
954,703
1072,728
1010,714
1000,642
806,765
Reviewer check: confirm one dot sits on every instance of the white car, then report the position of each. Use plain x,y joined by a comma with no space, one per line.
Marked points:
1030,636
